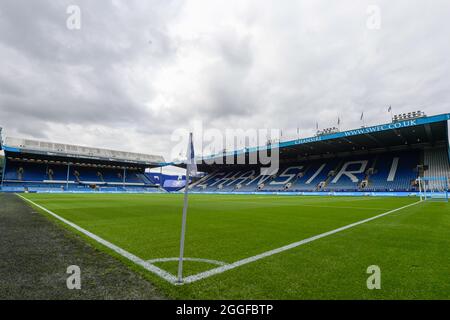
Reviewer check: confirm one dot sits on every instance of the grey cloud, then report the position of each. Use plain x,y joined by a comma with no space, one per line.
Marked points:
74,76
144,68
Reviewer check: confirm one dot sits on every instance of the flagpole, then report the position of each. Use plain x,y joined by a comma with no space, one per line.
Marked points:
183,223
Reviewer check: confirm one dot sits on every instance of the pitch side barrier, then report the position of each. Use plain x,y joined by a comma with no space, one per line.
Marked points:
80,192
342,194
328,194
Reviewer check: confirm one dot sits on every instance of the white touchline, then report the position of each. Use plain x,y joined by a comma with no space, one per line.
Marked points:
173,280
239,263
148,266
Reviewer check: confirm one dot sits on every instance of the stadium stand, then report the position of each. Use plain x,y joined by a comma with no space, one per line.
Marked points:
380,159
36,166
383,172
384,158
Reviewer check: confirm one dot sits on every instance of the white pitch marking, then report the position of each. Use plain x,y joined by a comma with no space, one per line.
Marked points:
266,254
148,266
220,263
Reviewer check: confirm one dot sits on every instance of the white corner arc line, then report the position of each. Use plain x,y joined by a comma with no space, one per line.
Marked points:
239,263
148,266
216,262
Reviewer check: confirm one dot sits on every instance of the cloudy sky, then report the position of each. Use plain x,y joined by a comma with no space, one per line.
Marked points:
135,71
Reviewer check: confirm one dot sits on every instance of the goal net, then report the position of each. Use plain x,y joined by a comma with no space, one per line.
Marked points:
433,188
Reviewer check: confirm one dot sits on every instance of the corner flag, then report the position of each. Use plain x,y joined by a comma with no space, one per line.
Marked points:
191,166
191,169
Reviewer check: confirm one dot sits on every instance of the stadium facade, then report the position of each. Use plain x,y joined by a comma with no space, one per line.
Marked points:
386,159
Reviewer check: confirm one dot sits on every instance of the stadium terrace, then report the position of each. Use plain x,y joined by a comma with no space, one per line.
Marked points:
38,166
386,159
378,160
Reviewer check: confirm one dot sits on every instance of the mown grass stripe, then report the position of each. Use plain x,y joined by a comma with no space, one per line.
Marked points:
266,254
148,266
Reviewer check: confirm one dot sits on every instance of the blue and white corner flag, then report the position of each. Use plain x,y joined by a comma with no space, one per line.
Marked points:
191,164
191,170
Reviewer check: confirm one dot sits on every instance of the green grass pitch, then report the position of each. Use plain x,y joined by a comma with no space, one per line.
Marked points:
411,246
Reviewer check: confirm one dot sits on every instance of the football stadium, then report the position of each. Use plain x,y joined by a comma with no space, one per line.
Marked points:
340,205
213,159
